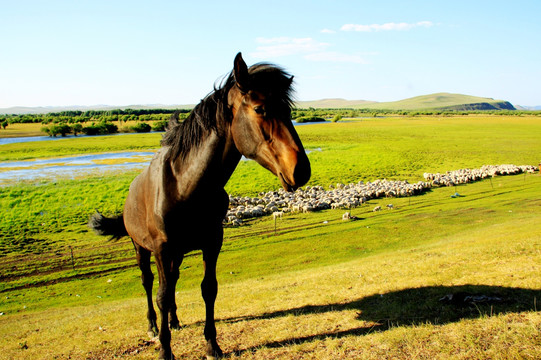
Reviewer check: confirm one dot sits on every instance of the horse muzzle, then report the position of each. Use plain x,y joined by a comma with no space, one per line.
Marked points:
297,175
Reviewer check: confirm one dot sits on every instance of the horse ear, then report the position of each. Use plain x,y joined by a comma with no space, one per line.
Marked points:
241,73
291,80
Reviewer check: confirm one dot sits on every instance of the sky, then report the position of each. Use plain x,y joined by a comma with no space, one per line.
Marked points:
115,52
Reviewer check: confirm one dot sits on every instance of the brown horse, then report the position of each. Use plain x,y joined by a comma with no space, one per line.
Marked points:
178,203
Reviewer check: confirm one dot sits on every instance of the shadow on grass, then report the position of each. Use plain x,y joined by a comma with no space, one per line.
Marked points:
436,305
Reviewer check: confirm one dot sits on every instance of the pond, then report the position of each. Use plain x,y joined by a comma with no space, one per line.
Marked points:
23,139
72,167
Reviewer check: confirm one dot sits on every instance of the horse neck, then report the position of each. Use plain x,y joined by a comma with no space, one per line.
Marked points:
210,164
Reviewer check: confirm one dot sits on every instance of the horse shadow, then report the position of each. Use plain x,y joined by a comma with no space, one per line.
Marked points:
436,305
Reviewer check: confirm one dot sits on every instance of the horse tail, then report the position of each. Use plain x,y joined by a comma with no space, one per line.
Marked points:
113,226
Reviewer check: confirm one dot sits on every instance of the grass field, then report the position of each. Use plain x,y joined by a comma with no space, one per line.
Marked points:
320,288
18,130
404,148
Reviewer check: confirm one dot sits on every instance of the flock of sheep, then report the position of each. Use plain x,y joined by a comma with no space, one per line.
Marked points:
463,176
340,196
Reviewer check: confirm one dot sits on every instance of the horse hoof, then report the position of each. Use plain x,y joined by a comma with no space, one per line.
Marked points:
167,358
213,350
215,356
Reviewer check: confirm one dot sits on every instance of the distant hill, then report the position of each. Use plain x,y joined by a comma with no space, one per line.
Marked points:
445,101
533,108
333,104
439,101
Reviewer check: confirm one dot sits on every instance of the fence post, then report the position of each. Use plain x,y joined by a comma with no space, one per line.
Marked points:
72,259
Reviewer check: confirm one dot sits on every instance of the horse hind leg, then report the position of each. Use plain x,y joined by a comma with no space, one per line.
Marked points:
147,278
209,290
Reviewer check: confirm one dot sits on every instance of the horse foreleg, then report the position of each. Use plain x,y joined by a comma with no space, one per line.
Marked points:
209,290
147,278
168,274
174,323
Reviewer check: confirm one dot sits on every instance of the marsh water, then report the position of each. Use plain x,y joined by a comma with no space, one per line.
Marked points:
72,167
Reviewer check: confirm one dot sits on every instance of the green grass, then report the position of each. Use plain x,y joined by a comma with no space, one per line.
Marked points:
404,148
314,289
395,148
34,220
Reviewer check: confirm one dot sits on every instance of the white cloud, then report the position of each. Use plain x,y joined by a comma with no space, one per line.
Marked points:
386,27
283,46
307,48
328,31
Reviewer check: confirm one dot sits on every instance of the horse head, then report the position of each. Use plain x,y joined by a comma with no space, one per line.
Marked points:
261,126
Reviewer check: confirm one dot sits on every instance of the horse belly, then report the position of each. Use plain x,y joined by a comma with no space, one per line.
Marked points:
139,215
197,224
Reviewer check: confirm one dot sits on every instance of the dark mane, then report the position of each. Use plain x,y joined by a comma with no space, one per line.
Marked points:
183,136
273,81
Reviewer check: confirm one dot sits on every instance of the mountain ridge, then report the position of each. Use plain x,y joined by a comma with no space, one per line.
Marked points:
437,101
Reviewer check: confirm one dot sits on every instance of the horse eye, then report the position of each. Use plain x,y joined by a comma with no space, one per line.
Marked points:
259,110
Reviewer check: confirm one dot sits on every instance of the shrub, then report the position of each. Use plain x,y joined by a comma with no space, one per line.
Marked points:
55,129
110,128
63,129
92,130
101,128
160,125
336,118
46,130
76,129
141,127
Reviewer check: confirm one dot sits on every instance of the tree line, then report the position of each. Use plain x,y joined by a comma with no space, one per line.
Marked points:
148,115
102,127
96,122
355,113
100,122
74,116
